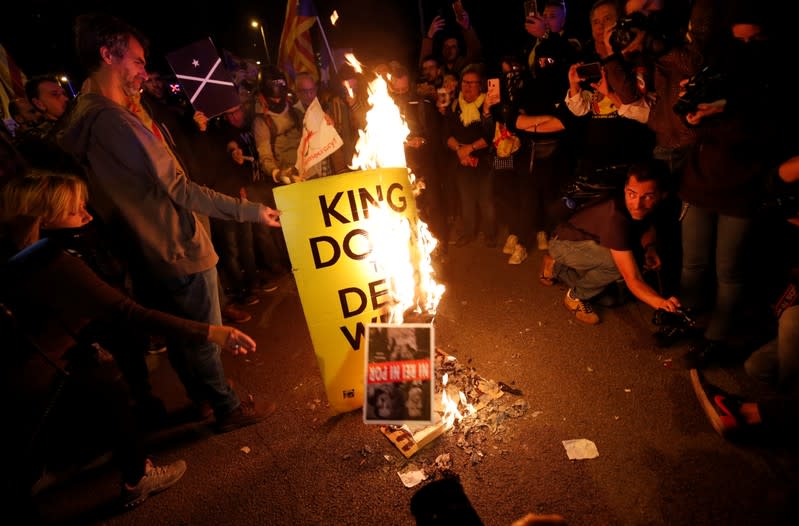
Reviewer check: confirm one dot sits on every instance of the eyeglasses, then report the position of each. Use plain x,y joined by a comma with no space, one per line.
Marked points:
470,82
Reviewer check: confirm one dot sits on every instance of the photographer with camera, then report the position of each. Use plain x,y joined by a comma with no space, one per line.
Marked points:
652,53
739,143
604,242
606,142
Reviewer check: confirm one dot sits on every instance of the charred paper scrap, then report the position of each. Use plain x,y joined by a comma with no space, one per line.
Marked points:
479,407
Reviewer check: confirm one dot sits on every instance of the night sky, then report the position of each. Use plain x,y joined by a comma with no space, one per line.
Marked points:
38,33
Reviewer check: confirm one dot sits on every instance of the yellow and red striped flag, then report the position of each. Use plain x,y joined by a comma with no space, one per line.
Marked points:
13,77
296,51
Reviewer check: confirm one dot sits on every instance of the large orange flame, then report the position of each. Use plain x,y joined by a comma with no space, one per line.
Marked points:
400,248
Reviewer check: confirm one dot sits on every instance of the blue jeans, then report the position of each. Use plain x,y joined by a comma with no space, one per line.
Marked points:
476,191
708,236
584,266
234,242
777,362
199,367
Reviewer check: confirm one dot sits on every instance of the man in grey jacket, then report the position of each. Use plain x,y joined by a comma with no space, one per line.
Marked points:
140,191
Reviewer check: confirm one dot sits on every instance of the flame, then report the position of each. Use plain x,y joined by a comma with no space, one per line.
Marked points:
352,61
334,17
450,408
400,248
381,143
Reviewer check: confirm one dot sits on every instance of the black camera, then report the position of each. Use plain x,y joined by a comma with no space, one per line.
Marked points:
706,85
678,318
673,326
627,29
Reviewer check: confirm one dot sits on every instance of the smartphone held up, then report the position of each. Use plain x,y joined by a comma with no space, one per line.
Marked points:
591,72
492,93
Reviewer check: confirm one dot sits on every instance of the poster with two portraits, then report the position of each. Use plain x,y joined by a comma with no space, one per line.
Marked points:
399,374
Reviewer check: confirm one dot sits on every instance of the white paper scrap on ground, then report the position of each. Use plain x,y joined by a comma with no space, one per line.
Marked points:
412,476
580,449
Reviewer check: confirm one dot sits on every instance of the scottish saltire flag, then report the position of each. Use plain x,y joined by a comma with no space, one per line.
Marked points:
203,77
296,52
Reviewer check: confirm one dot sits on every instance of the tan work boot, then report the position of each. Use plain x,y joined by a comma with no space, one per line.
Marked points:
582,309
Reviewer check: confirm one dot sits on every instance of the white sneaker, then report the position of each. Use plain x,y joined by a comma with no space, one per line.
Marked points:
510,244
155,480
541,238
519,255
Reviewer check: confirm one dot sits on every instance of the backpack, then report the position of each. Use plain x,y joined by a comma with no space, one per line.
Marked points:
296,116
588,190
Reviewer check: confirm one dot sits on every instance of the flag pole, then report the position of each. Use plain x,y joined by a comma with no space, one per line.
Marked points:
421,17
327,45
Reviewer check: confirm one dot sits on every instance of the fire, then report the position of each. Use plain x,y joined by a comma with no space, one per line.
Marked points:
352,61
450,408
380,144
399,248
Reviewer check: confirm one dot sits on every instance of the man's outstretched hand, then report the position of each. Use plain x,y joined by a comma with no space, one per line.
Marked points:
270,216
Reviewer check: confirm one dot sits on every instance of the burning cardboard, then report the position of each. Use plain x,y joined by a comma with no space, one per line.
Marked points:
466,403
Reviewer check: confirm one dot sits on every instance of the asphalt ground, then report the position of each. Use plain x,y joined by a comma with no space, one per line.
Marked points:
660,462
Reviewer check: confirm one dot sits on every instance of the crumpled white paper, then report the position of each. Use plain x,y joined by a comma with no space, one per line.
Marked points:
412,476
580,449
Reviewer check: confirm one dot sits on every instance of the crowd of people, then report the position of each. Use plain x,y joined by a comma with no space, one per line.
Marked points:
116,202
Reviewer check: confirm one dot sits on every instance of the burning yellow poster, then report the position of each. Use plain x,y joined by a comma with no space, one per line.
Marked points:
351,241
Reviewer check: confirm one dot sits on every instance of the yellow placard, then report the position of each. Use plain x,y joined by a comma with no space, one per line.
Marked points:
327,232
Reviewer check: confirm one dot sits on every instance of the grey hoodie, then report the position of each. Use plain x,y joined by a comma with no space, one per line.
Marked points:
140,192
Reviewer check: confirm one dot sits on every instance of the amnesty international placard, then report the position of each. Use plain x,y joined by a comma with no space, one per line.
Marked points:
342,287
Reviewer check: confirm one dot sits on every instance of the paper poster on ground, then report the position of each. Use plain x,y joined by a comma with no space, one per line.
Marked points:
399,374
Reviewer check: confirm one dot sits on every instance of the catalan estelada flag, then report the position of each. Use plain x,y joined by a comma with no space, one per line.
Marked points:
296,52
12,79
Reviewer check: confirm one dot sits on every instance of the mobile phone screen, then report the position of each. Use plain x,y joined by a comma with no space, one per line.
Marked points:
493,89
591,71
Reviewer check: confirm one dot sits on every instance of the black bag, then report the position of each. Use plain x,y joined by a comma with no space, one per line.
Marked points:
586,190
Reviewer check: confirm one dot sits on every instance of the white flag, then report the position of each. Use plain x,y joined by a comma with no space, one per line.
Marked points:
319,139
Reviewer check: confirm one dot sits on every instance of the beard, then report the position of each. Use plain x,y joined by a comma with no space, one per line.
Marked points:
132,87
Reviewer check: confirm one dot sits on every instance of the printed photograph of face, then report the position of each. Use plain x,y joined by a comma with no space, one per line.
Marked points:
384,402
399,371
